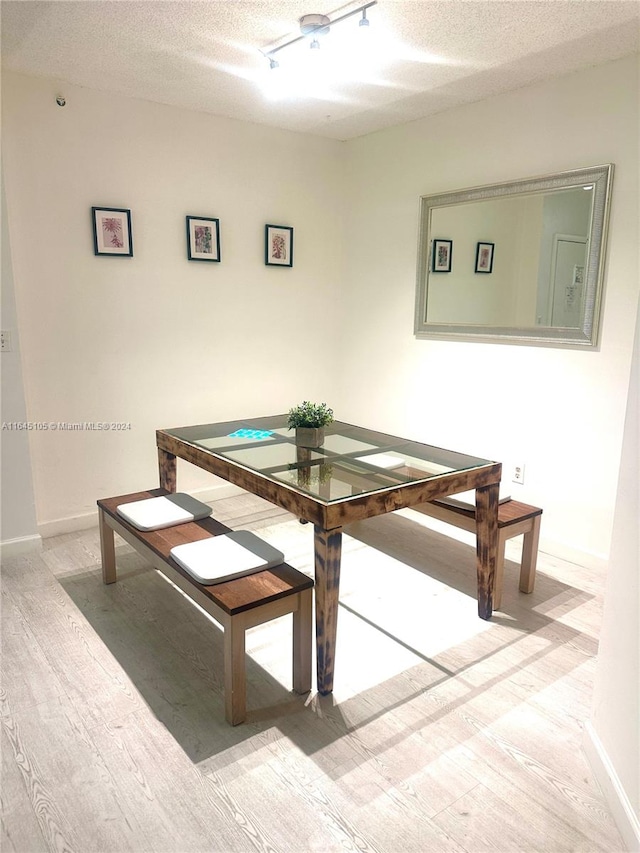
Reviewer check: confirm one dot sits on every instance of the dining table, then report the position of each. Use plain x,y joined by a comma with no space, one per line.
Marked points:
354,473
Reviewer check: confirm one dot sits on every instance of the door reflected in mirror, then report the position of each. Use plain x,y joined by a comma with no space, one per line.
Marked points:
526,260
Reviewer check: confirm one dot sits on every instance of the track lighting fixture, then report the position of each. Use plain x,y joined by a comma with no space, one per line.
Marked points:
313,27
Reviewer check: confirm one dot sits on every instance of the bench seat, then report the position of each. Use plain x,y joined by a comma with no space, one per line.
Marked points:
236,604
514,518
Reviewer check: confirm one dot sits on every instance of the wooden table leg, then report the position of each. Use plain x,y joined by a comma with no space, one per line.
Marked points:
328,549
167,466
486,546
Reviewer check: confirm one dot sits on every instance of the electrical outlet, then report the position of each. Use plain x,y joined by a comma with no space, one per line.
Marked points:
5,341
517,473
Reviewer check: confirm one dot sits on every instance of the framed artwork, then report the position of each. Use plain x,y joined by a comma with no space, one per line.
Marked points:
203,239
442,254
112,231
278,246
484,257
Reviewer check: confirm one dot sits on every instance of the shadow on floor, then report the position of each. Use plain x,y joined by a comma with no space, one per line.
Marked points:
173,652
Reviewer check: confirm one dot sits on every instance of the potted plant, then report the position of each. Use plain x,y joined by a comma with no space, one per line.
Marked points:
309,421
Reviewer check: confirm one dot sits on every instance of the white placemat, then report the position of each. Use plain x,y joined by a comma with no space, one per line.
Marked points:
165,511
382,460
222,558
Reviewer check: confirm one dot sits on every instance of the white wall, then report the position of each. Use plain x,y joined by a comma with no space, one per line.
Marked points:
464,296
18,527
561,412
612,738
155,340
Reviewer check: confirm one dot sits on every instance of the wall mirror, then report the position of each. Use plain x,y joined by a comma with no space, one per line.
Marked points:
519,262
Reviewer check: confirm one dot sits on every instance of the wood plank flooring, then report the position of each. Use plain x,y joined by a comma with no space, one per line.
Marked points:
444,732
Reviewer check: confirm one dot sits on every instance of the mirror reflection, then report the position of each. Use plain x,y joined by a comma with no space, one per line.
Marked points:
516,261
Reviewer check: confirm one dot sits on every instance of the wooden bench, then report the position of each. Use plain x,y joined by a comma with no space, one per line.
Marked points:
514,518
237,604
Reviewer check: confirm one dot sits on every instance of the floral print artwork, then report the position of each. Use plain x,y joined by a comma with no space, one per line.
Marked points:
484,257
112,232
278,247
203,239
442,250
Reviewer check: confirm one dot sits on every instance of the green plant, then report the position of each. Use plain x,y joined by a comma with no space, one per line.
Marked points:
310,415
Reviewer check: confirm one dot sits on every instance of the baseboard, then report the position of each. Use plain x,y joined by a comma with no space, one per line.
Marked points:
72,524
553,547
588,559
75,523
623,814
20,546
217,493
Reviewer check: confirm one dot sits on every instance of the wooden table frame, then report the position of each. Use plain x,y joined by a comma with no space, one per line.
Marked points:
329,518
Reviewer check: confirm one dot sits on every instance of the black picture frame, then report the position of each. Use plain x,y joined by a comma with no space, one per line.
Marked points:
484,257
112,231
441,256
203,239
278,245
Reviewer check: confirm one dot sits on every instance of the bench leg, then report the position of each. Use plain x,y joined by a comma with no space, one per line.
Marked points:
530,556
235,676
499,576
107,549
302,629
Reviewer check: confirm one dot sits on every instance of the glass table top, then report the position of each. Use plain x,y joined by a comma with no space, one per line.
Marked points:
351,461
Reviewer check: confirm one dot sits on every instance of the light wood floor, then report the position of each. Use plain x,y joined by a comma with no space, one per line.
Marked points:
444,733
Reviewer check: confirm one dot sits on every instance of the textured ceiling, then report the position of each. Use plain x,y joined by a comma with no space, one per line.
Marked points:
206,54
